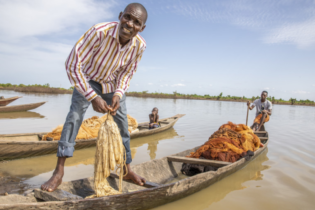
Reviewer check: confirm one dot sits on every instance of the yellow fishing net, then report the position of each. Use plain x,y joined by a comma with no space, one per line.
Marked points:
110,154
89,128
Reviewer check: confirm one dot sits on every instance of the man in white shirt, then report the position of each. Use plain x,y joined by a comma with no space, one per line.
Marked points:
263,110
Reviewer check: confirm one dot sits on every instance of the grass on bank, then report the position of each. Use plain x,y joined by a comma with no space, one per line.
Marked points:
42,88
36,85
220,97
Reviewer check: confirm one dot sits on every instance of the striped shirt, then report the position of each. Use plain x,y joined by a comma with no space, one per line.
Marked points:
99,56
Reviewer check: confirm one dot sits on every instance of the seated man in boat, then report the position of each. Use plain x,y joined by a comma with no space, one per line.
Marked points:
100,67
154,118
263,110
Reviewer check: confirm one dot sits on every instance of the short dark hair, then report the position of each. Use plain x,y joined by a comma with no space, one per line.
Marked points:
265,91
141,7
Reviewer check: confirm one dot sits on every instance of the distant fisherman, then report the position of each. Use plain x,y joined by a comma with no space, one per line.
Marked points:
100,67
263,110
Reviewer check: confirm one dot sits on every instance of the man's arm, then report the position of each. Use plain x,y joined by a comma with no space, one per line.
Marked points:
123,79
269,111
250,107
80,55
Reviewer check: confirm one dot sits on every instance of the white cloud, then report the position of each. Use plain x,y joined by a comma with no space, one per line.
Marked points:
164,85
300,34
314,85
267,88
277,18
178,85
22,18
150,83
301,92
34,33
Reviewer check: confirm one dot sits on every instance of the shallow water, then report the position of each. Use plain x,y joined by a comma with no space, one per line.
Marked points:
280,178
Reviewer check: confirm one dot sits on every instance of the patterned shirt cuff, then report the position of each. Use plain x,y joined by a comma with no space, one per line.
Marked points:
90,95
119,93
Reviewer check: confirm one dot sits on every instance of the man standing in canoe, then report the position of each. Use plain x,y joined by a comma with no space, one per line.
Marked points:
100,67
263,110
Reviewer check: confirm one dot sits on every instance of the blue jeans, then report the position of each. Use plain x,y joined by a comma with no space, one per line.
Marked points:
75,117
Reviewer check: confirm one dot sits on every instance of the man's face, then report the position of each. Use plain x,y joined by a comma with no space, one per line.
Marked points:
131,22
263,96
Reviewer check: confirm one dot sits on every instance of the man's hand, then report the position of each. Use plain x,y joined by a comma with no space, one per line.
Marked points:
265,111
115,105
99,105
248,103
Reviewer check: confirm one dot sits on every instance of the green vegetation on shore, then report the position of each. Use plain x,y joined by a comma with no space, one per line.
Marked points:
219,97
37,88
36,85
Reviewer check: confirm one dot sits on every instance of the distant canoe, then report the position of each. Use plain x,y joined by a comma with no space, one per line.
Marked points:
19,108
14,146
17,115
6,101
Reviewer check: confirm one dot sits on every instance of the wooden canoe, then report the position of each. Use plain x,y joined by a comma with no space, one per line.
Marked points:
14,146
17,115
165,184
20,108
6,101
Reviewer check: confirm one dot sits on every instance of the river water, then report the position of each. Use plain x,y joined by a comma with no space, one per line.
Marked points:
280,178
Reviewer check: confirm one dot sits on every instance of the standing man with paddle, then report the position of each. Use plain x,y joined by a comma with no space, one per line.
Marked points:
263,111
100,67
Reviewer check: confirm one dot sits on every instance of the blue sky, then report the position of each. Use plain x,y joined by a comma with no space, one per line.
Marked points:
238,47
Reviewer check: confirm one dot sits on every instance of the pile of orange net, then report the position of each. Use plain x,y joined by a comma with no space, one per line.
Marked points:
89,128
229,143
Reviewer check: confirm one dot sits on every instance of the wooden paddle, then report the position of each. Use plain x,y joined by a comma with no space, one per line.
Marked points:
247,115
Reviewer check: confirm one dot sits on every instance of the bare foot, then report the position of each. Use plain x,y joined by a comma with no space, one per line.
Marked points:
135,178
52,184
261,145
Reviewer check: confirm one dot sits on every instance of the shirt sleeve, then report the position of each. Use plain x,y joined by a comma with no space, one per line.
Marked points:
255,103
124,77
79,56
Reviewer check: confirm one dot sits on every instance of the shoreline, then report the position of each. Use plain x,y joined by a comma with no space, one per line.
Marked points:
50,90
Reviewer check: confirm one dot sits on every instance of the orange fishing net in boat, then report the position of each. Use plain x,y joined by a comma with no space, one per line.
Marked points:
89,128
229,143
258,118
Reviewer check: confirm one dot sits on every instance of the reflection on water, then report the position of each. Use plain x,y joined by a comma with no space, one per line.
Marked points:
16,115
152,142
203,199
33,168
280,178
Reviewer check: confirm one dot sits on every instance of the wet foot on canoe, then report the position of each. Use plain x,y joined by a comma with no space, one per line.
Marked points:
135,178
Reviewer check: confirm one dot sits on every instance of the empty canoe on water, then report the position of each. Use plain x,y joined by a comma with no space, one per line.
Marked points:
19,108
13,146
165,184
6,101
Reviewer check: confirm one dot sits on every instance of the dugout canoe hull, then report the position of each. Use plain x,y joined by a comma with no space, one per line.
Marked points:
159,171
20,108
6,101
14,146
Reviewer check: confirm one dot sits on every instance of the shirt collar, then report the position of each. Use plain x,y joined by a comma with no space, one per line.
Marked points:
115,34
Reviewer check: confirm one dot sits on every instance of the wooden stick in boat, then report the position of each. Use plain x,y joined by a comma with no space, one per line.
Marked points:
204,162
247,115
